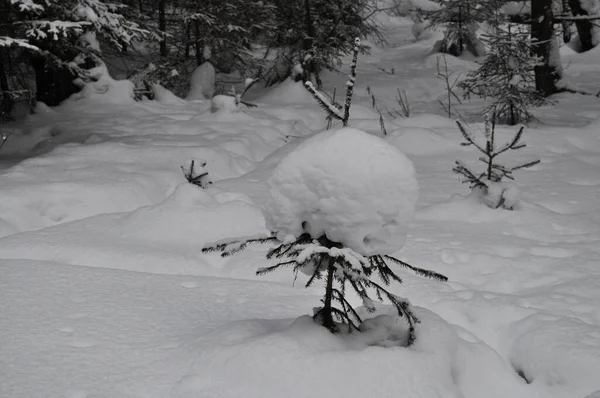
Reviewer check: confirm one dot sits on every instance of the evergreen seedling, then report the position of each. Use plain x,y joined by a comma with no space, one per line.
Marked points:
341,268
489,181
506,76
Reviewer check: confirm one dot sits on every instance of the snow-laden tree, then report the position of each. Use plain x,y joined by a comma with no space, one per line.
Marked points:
61,34
339,207
323,30
490,184
461,19
56,28
228,28
506,76
224,33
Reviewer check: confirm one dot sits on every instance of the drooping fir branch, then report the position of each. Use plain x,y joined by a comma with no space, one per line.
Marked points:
494,171
341,267
332,110
229,247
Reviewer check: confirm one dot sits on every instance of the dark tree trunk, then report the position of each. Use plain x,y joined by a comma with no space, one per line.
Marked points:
198,49
162,26
188,40
542,35
6,102
584,28
54,84
326,313
309,26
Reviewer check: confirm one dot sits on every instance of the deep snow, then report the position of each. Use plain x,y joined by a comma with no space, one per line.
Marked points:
105,292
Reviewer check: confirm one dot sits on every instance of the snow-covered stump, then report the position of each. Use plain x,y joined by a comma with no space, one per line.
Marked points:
202,82
340,204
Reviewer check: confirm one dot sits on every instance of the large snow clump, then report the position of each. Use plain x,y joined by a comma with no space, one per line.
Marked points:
353,187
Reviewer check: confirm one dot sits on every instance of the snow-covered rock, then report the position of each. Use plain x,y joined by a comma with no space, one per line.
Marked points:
164,96
352,186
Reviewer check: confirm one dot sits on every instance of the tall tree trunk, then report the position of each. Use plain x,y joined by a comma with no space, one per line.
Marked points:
188,40
585,29
6,102
326,313
309,26
162,26
542,37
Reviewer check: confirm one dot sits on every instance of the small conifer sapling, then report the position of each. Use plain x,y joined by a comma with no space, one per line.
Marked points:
342,269
339,206
506,77
490,183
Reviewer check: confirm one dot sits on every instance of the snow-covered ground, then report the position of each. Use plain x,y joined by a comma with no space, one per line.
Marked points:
104,290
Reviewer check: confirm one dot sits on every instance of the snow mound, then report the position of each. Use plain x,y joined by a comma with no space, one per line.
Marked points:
420,141
224,103
104,88
202,82
288,92
553,350
161,238
349,185
262,359
165,96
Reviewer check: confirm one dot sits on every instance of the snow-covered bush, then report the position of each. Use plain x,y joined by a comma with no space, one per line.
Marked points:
322,28
490,185
461,19
506,76
340,204
202,82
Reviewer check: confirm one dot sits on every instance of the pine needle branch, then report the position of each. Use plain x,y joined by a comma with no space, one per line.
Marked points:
470,140
418,271
526,165
233,246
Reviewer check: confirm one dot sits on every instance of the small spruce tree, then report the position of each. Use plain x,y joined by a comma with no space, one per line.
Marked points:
461,19
506,76
342,268
489,183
